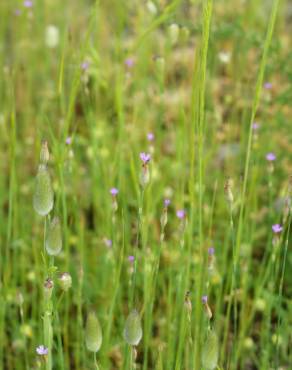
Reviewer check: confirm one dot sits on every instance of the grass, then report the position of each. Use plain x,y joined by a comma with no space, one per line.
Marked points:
211,81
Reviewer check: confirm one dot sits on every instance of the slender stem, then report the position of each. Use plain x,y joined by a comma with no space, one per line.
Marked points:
95,360
140,214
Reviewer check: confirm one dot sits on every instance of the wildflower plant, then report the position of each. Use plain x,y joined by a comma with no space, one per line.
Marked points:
130,210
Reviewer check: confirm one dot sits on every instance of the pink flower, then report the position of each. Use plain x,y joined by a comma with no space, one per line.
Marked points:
131,259
277,228
181,213
42,350
270,157
150,136
114,191
145,157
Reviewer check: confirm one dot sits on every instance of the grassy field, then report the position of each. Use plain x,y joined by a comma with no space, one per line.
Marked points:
145,184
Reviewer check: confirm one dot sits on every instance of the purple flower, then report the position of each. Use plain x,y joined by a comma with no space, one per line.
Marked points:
85,65
131,259
129,62
150,136
27,4
108,242
255,126
277,228
166,202
211,251
268,85
42,350
68,140
17,12
145,157
205,299
114,191
270,157
181,213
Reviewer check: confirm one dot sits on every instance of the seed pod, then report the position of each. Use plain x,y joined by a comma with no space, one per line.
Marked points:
54,237
43,199
173,31
65,281
210,351
133,329
93,333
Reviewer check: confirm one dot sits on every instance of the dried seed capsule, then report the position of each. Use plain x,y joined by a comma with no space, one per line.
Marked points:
54,237
133,329
43,199
93,333
65,281
210,351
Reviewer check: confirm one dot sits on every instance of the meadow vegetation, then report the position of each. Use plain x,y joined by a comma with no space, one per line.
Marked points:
145,184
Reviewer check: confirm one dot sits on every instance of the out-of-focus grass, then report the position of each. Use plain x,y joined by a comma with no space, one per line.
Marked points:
94,79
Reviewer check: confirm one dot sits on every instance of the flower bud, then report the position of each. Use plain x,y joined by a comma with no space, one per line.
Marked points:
48,288
163,218
54,237
151,7
133,329
144,176
160,65
93,333
65,281
184,34
44,154
228,192
173,32
43,199
210,351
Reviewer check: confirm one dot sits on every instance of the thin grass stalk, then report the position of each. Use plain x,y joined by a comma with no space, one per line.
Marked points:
280,291
207,13
255,105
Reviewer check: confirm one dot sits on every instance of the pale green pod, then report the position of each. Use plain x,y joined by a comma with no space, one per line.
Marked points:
173,31
54,237
210,351
65,281
133,329
43,199
93,333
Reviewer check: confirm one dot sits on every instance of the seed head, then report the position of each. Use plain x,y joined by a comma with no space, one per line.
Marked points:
54,237
133,329
43,199
173,33
210,351
93,333
65,281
